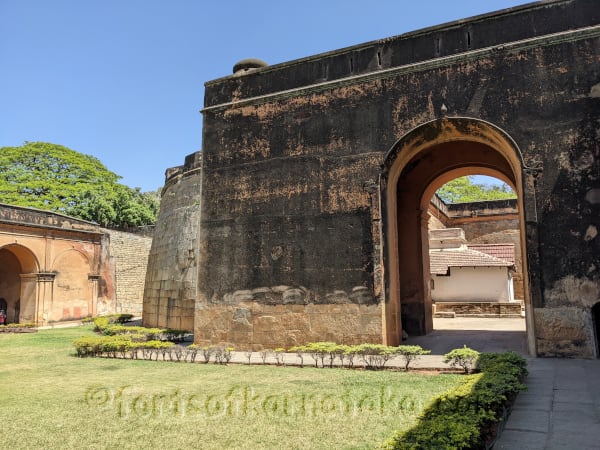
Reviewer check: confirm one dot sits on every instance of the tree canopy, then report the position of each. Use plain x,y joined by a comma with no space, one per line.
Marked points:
56,178
463,190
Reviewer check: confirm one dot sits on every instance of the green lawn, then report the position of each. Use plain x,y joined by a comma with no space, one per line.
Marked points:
52,399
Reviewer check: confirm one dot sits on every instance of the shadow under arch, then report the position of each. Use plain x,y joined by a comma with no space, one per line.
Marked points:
417,164
18,282
27,259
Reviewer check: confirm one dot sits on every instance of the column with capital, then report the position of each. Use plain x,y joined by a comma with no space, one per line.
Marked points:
45,297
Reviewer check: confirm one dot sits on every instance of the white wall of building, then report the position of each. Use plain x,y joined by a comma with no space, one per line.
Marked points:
473,284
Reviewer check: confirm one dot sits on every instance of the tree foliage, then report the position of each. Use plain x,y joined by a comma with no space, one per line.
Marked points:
463,190
56,178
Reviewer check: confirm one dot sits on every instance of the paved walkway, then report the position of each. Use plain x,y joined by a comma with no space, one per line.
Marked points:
560,409
481,334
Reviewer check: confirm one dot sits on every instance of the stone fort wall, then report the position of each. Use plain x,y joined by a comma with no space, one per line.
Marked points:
129,257
171,278
290,219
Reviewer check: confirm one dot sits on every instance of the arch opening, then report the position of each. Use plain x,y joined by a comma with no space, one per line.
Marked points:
416,167
18,296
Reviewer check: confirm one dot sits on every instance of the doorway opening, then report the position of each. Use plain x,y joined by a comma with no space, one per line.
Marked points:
417,166
475,267
16,289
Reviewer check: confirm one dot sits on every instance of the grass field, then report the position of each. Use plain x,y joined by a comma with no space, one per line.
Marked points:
52,399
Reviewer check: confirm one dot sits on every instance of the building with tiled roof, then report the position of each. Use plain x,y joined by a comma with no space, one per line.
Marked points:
467,273
505,252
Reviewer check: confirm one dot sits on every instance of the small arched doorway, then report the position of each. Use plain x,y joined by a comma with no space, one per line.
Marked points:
19,295
416,166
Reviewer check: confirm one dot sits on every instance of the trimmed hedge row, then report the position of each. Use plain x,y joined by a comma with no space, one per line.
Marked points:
26,327
18,325
112,318
112,326
467,416
126,346
374,356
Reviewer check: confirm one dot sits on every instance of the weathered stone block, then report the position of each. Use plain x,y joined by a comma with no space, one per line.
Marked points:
562,323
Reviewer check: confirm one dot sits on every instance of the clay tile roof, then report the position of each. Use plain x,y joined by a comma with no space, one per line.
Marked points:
441,260
501,251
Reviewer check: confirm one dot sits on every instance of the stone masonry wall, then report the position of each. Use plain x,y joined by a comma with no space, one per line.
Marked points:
130,257
252,325
170,288
291,150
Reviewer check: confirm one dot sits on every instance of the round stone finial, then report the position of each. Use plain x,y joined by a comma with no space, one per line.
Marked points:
248,64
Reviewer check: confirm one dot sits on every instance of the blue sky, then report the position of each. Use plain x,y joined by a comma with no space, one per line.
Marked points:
123,80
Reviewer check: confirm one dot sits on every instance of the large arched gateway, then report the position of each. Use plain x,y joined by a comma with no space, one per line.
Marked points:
416,166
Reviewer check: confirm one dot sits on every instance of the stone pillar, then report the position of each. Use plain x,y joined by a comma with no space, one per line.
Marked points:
93,301
45,297
28,298
533,285
425,270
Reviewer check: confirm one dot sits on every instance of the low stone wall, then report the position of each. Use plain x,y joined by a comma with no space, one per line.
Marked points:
482,308
256,326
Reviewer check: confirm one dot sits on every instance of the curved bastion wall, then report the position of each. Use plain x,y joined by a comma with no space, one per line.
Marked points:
171,277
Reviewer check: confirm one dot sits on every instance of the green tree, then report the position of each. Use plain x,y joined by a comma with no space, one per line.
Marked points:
463,190
56,178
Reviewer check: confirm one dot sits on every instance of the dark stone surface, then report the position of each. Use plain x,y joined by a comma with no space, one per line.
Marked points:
285,174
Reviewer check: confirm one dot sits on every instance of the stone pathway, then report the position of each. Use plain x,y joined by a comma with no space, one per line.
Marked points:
560,409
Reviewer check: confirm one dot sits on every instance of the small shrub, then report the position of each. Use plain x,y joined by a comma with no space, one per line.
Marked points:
374,355
223,354
87,346
227,354
350,354
465,357
100,323
154,348
299,350
340,352
279,355
219,355
248,356
179,352
164,351
410,353
263,355
206,354
319,350
193,351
